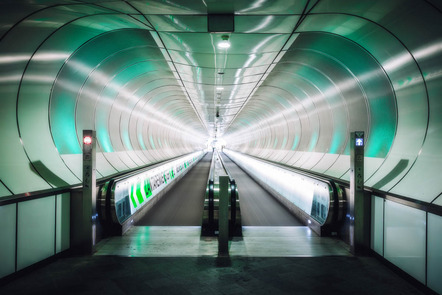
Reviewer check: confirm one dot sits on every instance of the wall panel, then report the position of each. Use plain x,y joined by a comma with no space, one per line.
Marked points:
63,213
405,238
7,239
35,231
434,258
377,224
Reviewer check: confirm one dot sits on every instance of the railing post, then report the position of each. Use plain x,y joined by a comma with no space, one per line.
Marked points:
211,205
359,210
89,210
223,216
232,206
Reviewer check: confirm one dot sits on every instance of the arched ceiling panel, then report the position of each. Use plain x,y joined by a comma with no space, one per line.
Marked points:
298,77
336,91
70,53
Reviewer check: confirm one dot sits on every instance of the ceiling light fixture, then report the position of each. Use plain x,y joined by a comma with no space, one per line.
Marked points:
219,88
225,42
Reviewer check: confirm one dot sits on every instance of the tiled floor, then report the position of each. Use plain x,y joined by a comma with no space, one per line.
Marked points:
179,241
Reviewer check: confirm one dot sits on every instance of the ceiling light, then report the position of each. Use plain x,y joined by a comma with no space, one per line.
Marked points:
225,42
219,88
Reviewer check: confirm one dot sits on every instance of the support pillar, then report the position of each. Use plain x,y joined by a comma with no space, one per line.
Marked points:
359,206
223,217
89,210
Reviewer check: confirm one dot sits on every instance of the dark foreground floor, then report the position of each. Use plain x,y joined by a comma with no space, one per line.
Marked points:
211,275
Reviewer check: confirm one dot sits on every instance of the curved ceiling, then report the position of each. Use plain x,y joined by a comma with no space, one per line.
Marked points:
150,79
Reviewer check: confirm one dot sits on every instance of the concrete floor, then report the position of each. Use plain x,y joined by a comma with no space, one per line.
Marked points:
175,260
183,241
212,275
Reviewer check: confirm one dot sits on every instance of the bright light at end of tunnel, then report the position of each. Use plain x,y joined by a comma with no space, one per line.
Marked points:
87,140
217,143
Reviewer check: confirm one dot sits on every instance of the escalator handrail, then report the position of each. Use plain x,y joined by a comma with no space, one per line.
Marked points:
225,168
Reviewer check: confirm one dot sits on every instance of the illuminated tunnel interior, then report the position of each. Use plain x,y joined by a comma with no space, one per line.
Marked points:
151,79
152,82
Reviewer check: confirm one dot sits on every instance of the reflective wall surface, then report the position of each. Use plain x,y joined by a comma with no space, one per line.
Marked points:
65,68
298,77
367,66
153,82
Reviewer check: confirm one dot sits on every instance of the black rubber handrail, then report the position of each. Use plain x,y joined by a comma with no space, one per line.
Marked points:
22,197
233,198
127,174
212,167
225,168
37,194
421,205
211,189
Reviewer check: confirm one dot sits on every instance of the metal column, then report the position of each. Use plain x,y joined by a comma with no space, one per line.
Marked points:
223,216
89,210
359,205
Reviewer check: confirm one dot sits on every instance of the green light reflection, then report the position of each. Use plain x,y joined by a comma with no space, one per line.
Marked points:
151,142
383,127
126,140
295,143
103,135
63,124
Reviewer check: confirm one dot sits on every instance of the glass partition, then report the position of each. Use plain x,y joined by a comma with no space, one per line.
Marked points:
434,259
7,239
405,233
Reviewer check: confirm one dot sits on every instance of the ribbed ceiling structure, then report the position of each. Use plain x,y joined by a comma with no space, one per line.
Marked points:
149,77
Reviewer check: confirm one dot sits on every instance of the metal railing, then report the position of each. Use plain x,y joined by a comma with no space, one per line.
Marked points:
210,217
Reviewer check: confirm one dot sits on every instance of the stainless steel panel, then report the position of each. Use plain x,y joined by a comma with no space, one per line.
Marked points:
170,7
265,24
4,191
372,66
178,23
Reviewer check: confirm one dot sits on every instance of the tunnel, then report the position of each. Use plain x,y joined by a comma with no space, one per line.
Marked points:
285,82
